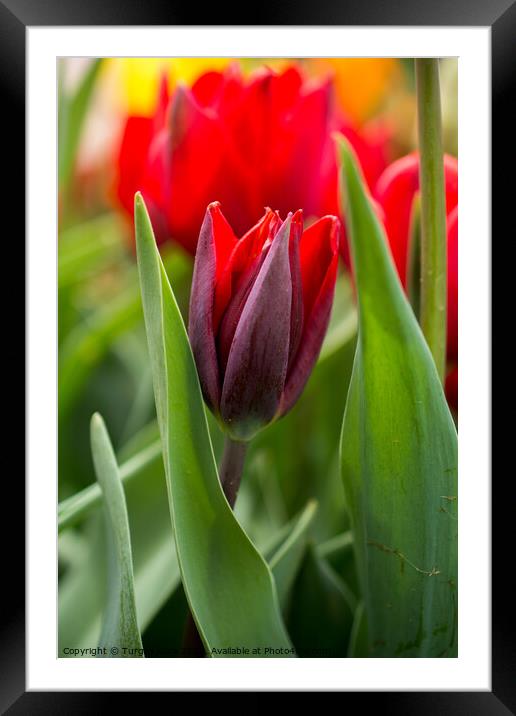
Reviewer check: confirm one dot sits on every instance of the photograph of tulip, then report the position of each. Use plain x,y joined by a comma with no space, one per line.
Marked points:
258,357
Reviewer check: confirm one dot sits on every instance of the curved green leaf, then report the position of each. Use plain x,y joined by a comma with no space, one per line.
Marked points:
82,588
228,585
120,627
336,546
321,611
338,552
82,552
286,560
76,507
398,455
358,643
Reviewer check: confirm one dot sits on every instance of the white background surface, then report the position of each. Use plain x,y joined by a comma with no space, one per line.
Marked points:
472,669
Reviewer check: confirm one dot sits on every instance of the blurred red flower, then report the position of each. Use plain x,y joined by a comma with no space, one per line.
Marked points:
249,142
394,193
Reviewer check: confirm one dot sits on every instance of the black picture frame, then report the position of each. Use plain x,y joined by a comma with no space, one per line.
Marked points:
15,17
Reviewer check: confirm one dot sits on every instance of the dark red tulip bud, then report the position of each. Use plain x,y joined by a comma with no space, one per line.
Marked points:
259,310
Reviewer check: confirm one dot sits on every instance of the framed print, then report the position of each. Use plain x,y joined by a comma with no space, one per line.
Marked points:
248,435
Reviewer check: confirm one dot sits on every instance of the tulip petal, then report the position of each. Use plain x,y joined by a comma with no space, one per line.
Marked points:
295,152
142,167
257,363
319,262
244,255
229,323
216,242
196,152
371,145
207,88
453,283
317,248
451,388
221,91
297,312
203,168
155,185
132,159
265,120
160,116
395,191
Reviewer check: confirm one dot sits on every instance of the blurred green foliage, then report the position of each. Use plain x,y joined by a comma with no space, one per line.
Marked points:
104,367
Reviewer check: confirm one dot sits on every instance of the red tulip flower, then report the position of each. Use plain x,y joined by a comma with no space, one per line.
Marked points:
142,165
259,310
452,230
395,192
249,142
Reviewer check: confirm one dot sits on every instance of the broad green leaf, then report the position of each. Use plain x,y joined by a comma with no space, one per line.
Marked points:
228,585
398,455
286,560
321,610
72,112
120,625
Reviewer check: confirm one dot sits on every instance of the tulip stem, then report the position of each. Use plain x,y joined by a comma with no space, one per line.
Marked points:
414,256
433,211
230,475
231,466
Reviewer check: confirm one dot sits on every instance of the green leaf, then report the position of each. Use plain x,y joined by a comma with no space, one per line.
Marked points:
82,588
82,593
120,627
398,455
336,546
72,112
286,560
228,585
321,611
358,642
338,552
75,508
